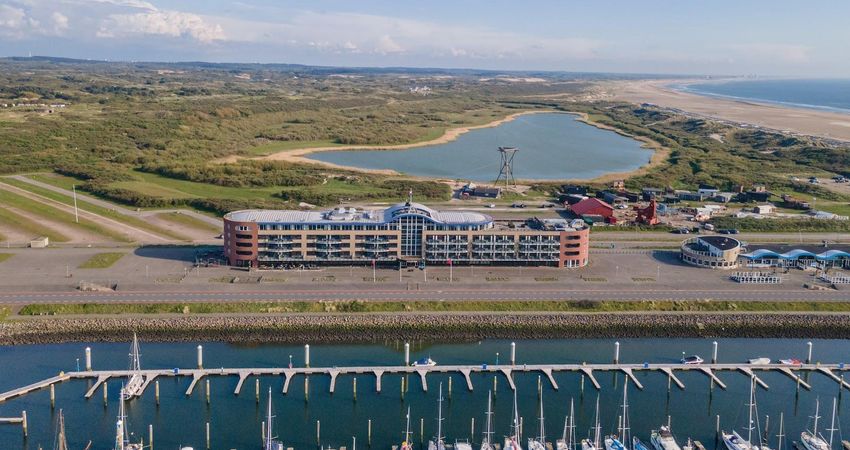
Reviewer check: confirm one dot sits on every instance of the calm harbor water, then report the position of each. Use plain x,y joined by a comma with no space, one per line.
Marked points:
552,147
832,95
236,420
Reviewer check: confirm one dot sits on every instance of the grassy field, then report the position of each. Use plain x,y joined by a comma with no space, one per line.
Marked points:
25,225
434,306
101,260
51,213
5,256
189,221
96,209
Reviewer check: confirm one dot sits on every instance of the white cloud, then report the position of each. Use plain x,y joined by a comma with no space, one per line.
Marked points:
165,23
386,44
60,22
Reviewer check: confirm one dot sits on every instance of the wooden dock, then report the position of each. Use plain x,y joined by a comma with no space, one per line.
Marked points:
832,371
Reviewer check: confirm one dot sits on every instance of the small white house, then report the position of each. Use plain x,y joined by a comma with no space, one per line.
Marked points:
764,209
40,242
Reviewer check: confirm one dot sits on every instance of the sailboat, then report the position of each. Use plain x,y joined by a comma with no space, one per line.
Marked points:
512,441
568,438
812,440
487,441
663,439
613,442
587,444
122,440
734,441
540,442
406,443
270,441
136,380
438,443
60,443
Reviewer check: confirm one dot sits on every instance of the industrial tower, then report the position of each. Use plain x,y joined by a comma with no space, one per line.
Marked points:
507,167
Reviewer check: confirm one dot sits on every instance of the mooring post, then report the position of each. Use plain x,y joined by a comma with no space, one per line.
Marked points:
150,436
104,393
156,391
520,429
450,387
714,352
264,431
24,423
257,391
208,436
669,420
539,386
403,382
318,432
670,381
306,388
581,385
717,425
472,430
200,357
306,355
88,359
513,353
52,396
208,391
369,432
421,430
407,353
354,388
809,357
616,353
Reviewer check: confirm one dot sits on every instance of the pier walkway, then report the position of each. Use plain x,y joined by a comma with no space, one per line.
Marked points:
833,371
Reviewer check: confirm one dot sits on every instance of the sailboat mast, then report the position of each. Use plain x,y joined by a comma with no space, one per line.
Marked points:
489,432
440,419
750,419
407,428
832,425
515,425
817,416
625,427
135,364
781,435
61,442
269,417
597,427
542,433
572,437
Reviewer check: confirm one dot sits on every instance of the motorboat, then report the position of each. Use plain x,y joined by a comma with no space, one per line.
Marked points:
693,359
791,362
424,362
663,439
759,361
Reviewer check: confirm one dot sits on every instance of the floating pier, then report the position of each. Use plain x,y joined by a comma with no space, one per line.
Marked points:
548,370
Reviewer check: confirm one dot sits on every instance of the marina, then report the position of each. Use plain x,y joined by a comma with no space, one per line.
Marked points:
471,394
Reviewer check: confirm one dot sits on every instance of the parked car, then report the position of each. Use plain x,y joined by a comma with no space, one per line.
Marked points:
680,231
728,231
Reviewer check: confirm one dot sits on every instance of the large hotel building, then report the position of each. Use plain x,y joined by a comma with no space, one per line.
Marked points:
409,232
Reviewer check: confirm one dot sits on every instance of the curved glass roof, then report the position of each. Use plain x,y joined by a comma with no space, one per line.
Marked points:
829,255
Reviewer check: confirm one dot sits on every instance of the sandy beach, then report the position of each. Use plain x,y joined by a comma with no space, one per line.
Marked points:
786,119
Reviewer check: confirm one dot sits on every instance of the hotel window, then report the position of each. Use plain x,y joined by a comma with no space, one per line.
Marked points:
241,228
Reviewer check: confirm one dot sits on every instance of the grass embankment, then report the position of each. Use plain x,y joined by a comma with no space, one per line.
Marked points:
583,306
90,207
50,213
189,221
25,225
5,256
101,260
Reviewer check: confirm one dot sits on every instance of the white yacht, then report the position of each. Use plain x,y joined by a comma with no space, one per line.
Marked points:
122,439
733,440
568,438
587,444
812,440
619,443
424,362
136,380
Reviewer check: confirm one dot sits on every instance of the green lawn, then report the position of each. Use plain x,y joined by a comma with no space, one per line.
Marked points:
189,221
96,209
435,306
101,260
51,213
201,190
56,179
25,225
5,256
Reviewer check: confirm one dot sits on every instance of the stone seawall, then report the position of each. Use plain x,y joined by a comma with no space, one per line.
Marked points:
339,327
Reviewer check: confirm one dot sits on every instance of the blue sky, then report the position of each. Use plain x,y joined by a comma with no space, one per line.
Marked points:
783,37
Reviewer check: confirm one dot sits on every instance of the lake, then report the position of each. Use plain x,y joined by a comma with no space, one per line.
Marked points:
236,420
552,146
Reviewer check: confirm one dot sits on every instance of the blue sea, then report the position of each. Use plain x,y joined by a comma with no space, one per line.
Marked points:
831,95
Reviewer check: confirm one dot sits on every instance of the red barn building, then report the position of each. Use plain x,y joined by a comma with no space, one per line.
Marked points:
594,207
